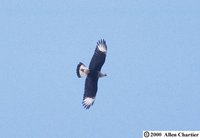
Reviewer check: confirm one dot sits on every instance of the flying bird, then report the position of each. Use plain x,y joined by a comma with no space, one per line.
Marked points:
93,73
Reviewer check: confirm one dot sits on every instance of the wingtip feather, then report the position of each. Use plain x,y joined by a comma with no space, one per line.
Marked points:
101,45
88,102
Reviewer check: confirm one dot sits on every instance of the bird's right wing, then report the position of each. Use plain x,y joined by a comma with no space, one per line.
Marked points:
99,56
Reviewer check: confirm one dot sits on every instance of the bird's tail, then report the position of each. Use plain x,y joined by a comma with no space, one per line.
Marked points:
82,70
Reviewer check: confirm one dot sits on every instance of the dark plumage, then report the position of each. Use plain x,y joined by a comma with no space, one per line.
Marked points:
93,73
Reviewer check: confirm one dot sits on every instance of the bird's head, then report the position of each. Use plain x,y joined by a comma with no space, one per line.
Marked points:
102,74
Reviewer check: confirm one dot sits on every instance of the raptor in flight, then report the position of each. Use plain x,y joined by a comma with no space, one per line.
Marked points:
93,73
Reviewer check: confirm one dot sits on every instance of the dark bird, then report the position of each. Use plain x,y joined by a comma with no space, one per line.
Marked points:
93,73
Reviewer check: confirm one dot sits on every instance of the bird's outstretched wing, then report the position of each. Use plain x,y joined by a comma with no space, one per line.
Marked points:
95,66
90,91
99,56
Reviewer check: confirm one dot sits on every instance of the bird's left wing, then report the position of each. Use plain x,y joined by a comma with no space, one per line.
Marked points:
90,91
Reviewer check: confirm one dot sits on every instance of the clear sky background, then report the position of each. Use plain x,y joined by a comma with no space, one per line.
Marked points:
153,67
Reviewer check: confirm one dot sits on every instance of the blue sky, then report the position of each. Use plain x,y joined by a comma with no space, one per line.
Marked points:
152,65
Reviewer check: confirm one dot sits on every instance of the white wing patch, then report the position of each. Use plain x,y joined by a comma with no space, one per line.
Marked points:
102,48
101,44
88,101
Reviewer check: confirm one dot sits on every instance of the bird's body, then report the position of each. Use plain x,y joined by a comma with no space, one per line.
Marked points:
91,84
93,73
